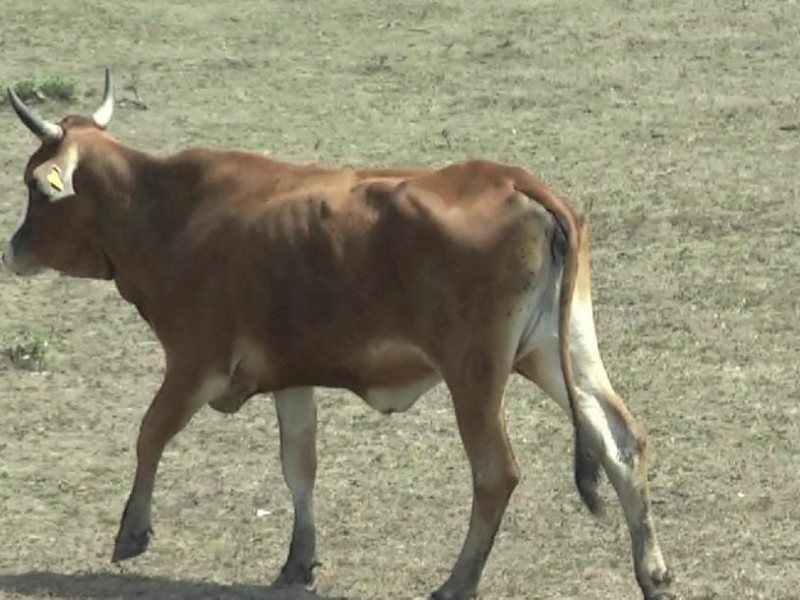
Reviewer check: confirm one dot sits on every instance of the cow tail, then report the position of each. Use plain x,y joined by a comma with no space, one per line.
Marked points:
587,464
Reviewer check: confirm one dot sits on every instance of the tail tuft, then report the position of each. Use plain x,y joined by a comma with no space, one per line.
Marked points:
587,476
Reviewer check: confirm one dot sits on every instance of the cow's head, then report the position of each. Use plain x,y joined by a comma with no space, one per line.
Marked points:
58,230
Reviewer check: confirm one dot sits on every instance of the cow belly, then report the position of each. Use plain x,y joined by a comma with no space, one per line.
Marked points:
398,398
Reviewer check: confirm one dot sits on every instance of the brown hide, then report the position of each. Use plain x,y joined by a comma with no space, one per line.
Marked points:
276,275
310,270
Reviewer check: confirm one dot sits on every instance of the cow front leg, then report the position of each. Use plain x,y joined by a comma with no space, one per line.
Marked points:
173,406
297,417
495,474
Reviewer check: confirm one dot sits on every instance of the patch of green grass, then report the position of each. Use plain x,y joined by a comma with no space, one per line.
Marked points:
50,87
28,352
26,90
57,88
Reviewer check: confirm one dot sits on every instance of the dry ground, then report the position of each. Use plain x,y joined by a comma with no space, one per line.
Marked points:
675,125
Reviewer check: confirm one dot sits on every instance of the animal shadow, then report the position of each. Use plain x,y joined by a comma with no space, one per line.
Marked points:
112,586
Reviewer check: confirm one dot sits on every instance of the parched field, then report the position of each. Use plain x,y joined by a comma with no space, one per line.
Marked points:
674,125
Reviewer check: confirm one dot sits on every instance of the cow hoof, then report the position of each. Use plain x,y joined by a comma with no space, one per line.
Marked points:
663,579
660,590
297,574
444,594
661,595
130,546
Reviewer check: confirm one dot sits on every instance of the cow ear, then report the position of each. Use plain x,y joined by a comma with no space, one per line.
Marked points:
54,179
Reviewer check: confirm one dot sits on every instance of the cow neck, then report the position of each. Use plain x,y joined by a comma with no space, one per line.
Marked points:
120,179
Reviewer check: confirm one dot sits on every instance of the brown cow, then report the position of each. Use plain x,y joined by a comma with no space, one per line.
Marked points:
259,276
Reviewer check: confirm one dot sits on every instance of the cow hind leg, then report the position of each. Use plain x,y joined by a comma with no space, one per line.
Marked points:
297,417
476,385
611,438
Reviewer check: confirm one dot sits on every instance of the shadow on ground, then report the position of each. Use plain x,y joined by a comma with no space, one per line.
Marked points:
105,586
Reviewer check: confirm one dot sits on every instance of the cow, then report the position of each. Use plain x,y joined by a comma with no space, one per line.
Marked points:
259,276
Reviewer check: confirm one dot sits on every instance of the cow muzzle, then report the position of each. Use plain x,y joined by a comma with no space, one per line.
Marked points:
17,264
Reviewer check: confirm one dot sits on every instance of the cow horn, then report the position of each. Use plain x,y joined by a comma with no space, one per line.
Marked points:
41,128
102,116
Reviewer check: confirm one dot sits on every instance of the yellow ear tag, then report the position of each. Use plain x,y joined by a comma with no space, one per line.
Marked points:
54,178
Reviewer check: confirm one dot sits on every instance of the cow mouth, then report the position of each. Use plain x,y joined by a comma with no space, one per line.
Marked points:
18,265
